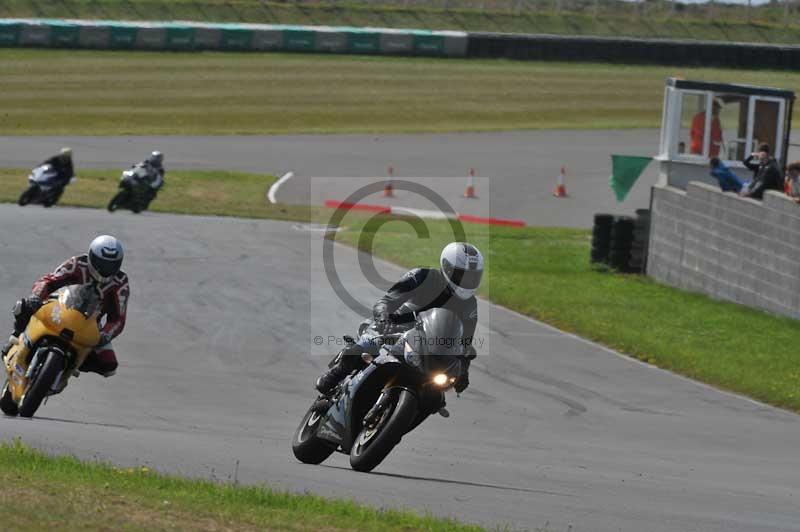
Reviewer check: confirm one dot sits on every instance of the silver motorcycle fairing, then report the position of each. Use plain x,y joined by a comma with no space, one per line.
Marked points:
337,424
45,177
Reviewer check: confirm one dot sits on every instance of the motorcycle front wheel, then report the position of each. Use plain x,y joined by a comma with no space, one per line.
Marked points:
373,444
306,446
54,198
42,382
117,201
28,196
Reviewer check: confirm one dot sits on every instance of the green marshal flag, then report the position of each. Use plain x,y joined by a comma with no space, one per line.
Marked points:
625,170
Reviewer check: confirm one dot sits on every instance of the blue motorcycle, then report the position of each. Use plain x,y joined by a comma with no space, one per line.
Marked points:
403,383
45,187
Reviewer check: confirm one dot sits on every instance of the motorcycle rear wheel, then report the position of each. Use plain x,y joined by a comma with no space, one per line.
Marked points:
306,446
7,404
372,446
43,381
28,196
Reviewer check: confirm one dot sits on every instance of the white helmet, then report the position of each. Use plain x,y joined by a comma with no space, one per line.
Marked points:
462,266
105,258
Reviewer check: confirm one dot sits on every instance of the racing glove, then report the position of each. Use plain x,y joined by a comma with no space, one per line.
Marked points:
33,303
462,382
471,353
381,320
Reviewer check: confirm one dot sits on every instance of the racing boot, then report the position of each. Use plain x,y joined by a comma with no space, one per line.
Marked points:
349,359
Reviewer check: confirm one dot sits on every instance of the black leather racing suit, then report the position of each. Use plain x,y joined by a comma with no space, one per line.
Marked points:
422,289
63,167
418,290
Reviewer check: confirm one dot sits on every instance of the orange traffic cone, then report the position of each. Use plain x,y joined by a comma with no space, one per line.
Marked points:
470,190
388,190
561,189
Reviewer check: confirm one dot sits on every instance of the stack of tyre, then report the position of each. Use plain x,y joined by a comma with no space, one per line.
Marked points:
641,238
620,242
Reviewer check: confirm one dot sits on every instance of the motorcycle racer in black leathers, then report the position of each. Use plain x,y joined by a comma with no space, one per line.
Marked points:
453,287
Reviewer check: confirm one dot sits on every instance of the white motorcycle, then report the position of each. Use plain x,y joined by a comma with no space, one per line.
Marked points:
45,187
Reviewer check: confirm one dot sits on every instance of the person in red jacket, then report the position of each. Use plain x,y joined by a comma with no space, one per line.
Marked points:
100,265
699,130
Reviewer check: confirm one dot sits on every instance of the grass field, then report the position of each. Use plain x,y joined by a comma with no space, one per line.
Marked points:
540,272
99,93
186,192
545,273
615,18
42,493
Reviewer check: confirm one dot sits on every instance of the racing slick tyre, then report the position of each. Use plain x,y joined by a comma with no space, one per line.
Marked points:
7,404
374,443
28,196
117,201
42,382
54,198
307,447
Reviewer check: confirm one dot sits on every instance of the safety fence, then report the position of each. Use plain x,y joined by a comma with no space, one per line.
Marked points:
101,34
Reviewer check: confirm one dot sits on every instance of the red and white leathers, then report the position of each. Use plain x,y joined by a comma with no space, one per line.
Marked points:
115,293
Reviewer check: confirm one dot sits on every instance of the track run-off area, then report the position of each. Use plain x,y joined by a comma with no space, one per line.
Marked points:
516,171
218,362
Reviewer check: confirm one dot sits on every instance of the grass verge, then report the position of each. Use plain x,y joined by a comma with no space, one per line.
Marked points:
44,493
545,273
614,18
206,192
68,92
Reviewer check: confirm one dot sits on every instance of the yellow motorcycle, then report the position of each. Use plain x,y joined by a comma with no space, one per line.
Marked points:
59,337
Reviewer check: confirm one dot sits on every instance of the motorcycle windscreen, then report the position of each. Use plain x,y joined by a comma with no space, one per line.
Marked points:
439,333
83,298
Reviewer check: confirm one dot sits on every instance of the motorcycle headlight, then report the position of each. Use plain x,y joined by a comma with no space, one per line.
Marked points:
440,379
412,358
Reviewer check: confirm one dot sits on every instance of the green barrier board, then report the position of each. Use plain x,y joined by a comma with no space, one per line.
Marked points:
64,35
122,36
9,34
429,44
235,39
100,34
179,38
299,40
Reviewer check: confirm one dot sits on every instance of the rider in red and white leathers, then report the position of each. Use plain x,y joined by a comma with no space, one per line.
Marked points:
102,265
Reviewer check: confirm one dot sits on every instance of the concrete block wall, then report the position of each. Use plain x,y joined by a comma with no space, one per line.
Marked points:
737,249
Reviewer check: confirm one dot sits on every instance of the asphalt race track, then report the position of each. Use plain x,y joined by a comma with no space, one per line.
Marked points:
218,361
521,167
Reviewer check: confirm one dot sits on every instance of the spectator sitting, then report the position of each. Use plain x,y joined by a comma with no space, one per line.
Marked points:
793,181
766,174
728,181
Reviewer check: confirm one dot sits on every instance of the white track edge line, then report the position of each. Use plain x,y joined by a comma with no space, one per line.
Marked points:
276,185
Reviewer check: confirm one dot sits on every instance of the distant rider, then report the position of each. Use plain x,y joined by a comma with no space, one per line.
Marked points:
155,169
101,264
62,164
453,287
